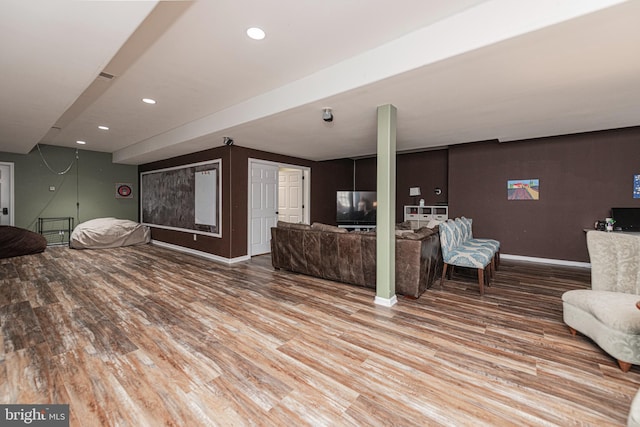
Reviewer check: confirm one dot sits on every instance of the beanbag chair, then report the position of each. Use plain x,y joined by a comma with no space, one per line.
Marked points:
15,241
103,233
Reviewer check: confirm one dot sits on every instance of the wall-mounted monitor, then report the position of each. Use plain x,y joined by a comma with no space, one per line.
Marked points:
356,207
627,219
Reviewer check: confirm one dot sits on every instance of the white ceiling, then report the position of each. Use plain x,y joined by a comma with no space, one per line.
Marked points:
457,70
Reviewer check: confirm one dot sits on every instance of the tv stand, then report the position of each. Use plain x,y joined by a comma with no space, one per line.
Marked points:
419,216
358,227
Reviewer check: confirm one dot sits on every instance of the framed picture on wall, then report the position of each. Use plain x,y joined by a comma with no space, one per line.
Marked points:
636,186
523,189
124,190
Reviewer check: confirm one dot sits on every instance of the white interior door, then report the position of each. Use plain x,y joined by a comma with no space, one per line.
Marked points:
6,193
264,205
290,192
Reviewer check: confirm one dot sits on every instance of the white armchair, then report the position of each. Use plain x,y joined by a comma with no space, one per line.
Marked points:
607,312
633,419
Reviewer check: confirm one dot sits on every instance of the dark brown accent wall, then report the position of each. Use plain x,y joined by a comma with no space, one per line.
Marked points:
582,176
213,245
235,172
328,177
365,174
425,169
239,164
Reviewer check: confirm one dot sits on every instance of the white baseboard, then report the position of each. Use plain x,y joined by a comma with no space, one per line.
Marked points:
200,253
387,302
546,260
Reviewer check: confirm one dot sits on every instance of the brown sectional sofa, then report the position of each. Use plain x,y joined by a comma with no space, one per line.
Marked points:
333,253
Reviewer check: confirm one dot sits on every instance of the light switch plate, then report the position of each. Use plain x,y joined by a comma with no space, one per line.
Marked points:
52,188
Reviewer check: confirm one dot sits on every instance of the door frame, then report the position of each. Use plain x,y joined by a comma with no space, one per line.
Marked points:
12,192
306,199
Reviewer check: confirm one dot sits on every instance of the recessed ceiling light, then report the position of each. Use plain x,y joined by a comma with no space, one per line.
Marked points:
81,142
103,127
256,33
149,100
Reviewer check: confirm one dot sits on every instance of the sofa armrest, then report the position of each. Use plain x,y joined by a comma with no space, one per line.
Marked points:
280,251
418,264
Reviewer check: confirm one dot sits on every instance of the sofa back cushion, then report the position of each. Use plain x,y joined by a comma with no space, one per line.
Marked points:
326,227
312,244
420,233
350,258
329,258
405,225
296,226
297,250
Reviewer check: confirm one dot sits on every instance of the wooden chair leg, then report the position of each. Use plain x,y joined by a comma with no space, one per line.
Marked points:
493,267
625,366
481,280
497,260
444,273
490,275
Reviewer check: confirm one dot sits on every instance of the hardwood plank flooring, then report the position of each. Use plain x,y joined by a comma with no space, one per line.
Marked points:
144,336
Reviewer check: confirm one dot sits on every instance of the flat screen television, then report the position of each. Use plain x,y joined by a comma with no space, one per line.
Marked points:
356,207
627,219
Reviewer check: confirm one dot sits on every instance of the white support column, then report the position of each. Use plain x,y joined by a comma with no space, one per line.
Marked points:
386,210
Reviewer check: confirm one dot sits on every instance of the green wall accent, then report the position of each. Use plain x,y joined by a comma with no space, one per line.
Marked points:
386,212
90,182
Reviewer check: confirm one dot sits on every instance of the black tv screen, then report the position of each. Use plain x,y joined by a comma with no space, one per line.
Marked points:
356,207
627,219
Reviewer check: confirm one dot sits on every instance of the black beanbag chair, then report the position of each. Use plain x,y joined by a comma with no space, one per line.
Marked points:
16,241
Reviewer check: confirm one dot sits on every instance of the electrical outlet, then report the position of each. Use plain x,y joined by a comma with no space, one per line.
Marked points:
195,237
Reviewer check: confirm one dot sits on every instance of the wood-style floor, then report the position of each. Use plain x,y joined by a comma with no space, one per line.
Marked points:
143,336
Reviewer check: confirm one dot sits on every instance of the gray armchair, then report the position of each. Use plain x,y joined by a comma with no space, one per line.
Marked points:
607,312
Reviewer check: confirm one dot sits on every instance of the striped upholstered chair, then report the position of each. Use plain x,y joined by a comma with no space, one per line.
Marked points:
467,224
458,252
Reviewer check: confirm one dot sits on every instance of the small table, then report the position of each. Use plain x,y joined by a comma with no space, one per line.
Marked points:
56,230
